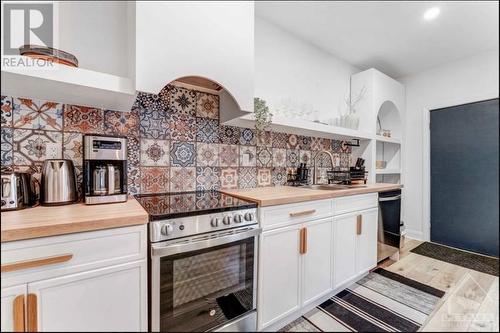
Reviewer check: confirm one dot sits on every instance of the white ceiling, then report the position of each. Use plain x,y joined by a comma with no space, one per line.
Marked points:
390,36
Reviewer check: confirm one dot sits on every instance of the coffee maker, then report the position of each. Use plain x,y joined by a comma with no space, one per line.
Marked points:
104,169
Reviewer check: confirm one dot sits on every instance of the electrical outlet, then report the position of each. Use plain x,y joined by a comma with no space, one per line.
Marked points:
53,150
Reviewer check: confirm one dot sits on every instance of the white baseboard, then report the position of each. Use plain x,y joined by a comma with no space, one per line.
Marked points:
414,234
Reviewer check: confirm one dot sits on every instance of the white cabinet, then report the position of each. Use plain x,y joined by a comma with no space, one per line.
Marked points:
355,245
295,269
107,299
12,308
214,40
279,274
89,281
317,260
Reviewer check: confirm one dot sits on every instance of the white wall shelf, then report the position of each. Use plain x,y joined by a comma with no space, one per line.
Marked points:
70,85
388,139
387,171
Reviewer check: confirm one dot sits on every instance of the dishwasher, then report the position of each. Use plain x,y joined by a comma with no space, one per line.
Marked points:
391,227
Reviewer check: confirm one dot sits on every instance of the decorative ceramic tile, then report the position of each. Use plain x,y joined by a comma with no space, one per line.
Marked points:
264,157
7,108
279,176
279,157
73,147
182,101
122,123
155,179
279,140
207,178
345,148
182,127
182,179
345,160
133,179
182,203
31,145
247,137
247,177
155,152
323,160
133,151
248,156
207,105
207,130
37,114
206,200
229,178
207,154
150,102
264,177
305,157
317,144
292,157
182,154
83,119
154,124
304,142
326,143
292,142
165,94
7,150
229,155
229,135
265,139
336,146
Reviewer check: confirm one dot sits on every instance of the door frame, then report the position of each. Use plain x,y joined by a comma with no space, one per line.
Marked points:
426,153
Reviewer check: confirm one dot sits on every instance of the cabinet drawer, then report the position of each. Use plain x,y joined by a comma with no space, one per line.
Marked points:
354,203
52,256
283,215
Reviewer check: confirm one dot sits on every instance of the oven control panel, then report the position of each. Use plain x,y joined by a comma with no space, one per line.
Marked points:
200,224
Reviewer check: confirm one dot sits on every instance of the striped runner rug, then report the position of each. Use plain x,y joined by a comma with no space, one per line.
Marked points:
380,302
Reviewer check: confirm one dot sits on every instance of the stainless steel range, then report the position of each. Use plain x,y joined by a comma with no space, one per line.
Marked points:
203,262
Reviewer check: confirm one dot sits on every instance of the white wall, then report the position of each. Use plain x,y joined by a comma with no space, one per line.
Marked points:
288,68
467,80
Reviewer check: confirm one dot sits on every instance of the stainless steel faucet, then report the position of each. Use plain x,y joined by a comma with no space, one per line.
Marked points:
315,169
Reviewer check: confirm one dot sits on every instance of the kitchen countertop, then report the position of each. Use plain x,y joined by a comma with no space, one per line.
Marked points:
279,195
45,221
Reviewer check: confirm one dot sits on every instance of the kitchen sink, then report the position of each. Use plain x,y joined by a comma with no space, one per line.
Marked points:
332,187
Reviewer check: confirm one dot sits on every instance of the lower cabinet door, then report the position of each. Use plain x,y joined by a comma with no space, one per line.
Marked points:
317,260
367,241
12,308
344,242
107,299
279,275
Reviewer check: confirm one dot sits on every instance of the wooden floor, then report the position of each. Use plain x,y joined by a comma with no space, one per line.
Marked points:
471,300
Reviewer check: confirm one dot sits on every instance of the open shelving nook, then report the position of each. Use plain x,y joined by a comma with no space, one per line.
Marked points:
388,146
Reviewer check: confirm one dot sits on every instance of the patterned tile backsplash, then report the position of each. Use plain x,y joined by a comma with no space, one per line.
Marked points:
175,142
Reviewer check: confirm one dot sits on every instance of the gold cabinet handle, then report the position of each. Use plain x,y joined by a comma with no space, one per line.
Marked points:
359,224
303,213
32,313
305,241
18,313
19,265
301,240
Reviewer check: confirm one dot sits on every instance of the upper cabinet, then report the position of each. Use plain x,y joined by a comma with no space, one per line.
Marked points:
214,40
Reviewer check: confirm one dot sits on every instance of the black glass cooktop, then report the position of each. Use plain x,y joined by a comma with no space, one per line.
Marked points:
173,205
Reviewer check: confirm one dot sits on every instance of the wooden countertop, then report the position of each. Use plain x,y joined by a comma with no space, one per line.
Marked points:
45,221
279,195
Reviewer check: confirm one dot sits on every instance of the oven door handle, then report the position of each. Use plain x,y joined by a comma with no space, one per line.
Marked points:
169,248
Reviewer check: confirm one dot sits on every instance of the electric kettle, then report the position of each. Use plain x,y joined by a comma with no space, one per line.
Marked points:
58,183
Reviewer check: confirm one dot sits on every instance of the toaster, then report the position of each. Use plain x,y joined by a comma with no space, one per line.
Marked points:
17,190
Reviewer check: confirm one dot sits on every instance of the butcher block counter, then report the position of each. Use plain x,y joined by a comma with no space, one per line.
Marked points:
59,220
279,195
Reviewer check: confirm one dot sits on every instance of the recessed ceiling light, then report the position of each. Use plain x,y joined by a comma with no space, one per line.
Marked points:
431,13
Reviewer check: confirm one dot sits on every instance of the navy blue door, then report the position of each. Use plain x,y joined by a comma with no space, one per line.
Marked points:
464,176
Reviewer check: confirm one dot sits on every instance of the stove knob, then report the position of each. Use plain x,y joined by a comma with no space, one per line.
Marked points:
226,220
214,222
238,218
167,229
248,216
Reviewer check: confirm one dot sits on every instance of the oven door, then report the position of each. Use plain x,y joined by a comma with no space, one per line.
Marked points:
204,282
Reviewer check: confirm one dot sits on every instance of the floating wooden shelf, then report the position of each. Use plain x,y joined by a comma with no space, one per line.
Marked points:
388,139
387,171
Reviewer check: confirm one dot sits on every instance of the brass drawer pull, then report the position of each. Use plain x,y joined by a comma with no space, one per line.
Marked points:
303,213
359,224
18,313
32,313
19,265
305,241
